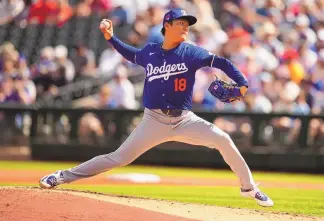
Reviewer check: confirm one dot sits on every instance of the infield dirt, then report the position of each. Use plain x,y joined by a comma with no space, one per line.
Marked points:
34,204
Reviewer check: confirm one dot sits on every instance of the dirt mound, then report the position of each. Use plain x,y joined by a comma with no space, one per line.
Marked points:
33,204
30,204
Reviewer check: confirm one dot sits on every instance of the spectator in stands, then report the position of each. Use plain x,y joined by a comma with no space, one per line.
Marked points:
308,57
14,74
320,41
257,102
7,51
62,72
105,98
155,13
291,59
84,62
10,9
119,16
139,32
91,124
291,101
90,127
309,91
9,70
55,12
267,34
287,98
317,75
14,91
109,60
204,13
264,57
30,88
43,70
199,90
23,68
123,91
84,8
100,6
189,7
302,24
301,106
211,37
102,100
65,65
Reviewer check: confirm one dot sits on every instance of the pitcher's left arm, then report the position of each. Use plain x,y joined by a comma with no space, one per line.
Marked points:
224,91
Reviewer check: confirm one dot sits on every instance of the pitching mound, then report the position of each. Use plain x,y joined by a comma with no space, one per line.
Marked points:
34,204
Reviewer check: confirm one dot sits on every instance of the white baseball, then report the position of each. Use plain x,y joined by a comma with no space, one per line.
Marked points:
104,25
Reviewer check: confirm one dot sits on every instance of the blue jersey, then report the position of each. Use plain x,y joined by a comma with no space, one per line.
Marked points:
170,74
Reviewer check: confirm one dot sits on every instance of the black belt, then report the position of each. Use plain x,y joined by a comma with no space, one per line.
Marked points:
172,112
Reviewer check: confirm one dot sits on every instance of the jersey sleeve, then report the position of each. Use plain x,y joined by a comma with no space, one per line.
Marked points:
204,58
141,55
201,57
125,50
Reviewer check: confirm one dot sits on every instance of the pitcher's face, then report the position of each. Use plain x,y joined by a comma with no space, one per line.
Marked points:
178,30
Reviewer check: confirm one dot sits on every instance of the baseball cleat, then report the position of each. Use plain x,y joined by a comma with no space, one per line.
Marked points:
52,180
261,198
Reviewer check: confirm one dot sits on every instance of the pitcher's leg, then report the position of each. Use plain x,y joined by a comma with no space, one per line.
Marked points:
148,134
141,139
197,131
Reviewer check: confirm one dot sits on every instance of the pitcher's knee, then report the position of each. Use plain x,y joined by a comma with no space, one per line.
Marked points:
222,140
117,160
225,138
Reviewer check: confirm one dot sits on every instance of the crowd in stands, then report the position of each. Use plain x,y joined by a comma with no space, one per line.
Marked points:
277,44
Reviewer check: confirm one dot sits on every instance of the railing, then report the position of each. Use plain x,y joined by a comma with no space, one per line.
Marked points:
94,127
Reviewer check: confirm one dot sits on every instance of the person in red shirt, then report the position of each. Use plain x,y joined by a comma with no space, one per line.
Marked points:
50,12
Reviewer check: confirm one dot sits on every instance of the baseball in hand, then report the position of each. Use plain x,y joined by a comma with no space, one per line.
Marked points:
104,25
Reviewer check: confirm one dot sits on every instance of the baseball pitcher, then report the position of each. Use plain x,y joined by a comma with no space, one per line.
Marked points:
167,97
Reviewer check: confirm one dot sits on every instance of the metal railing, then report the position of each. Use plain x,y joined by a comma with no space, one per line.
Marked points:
64,125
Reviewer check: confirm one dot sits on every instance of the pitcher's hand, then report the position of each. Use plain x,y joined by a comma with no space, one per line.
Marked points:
106,28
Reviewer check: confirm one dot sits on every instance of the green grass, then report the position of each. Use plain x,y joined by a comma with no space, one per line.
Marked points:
295,201
163,171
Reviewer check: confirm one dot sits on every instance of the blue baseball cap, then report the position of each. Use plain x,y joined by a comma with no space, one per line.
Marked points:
176,14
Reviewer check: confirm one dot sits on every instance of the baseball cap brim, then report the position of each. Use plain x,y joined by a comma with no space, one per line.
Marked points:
191,19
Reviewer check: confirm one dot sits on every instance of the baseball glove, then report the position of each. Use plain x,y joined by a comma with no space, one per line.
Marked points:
225,91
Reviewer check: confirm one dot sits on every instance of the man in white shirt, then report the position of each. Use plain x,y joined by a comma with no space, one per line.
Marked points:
10,9
109,60
123,91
